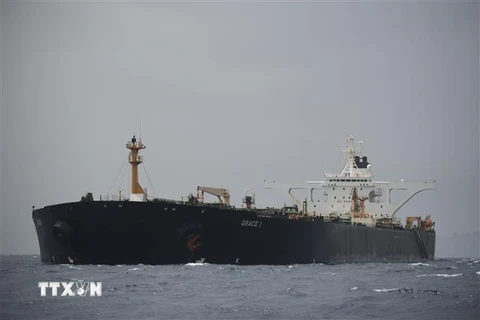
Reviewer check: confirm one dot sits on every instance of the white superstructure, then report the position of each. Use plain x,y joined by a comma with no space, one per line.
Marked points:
353,194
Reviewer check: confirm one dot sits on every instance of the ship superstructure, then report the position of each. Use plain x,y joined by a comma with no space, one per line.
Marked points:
352,195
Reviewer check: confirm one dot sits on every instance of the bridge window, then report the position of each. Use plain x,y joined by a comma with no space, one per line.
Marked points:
376,195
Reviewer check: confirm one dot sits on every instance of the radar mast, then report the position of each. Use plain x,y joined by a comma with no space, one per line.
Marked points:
137,193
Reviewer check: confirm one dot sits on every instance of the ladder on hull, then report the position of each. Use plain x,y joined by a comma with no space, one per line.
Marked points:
421,244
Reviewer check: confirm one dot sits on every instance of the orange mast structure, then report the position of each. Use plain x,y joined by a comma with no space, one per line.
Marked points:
136,191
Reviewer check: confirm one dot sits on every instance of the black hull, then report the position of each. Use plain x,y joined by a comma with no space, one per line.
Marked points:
110,232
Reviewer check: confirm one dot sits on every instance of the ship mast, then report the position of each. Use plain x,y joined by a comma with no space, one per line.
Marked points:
136,191
351,150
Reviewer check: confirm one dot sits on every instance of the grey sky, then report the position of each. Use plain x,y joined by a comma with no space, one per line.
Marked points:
232,94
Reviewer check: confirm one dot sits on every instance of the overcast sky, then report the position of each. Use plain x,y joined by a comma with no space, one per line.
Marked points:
232,94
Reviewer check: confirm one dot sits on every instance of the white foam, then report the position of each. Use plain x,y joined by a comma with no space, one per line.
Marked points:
386,290
440,275
354,288
70,266
420,264
478,272
193,264
133,269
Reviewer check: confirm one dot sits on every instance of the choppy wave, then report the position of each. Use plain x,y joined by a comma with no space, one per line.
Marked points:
440,275
69,266
420,264
293,292
409,290
394,290
206,291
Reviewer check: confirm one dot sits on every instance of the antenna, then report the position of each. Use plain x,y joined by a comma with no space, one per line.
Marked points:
140,126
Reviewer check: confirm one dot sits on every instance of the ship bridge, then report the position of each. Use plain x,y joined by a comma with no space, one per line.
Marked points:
352,194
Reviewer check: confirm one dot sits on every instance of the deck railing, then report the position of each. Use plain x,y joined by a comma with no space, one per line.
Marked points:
112,197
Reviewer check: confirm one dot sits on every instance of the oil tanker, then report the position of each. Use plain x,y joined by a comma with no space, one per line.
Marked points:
347,217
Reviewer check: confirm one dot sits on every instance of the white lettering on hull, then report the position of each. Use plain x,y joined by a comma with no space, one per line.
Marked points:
251,223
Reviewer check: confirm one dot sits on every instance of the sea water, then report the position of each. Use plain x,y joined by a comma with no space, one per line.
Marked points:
441,289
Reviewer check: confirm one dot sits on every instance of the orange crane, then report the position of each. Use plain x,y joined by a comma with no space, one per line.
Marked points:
355,205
